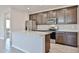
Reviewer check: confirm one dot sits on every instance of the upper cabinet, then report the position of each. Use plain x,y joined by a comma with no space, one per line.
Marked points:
33,17
39,18
63,16
60,16
71,15
67,15
44,17
52,14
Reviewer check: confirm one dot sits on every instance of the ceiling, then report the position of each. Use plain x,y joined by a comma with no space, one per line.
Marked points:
32,8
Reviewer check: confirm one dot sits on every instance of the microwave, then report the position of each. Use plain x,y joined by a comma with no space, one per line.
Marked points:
52,21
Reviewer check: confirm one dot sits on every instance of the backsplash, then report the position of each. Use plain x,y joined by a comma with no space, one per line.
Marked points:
61,27
43,27
67,27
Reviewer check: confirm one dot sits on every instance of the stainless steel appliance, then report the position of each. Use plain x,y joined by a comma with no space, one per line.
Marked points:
51,21
30,25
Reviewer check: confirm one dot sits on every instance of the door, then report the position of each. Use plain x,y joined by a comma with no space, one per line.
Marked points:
7,39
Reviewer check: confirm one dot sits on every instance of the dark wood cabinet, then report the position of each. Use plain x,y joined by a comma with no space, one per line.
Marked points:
47,43
39,18
60,37
71,15
63,16
67,38
44,17
52,14
33,17
60,16
67,15
71,38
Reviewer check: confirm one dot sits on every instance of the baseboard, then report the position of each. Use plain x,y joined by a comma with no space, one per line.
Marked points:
20,49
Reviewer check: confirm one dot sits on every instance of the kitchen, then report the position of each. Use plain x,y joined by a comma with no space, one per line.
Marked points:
61,22
64,16
39,29
45,30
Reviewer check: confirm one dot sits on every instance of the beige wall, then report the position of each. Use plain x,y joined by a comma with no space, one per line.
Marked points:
1,26
18,19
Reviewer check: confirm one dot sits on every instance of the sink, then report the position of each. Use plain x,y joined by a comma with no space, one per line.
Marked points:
53,28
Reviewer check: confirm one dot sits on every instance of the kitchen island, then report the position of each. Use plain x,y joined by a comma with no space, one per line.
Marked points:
31,41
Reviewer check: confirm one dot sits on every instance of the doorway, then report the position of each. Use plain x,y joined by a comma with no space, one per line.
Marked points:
7,34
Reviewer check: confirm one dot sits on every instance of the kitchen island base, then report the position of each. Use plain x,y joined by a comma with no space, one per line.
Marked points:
31,42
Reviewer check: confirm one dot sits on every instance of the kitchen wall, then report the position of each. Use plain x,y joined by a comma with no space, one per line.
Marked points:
70,27
1,26
42,9
18,19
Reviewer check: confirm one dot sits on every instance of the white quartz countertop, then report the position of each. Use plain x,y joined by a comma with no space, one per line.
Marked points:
61,28
37,32
76,30
33,32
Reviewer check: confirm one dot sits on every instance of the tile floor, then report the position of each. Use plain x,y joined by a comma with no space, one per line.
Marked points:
58,48
7,49
55,48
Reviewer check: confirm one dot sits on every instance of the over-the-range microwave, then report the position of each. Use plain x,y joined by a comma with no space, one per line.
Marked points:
52,21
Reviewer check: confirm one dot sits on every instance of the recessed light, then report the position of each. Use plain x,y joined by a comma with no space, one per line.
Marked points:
28,8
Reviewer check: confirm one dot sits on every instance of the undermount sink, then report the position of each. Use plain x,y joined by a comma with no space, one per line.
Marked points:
54,28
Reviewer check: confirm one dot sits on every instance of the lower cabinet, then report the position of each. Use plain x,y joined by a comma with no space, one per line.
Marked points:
47,43
60,37
67,38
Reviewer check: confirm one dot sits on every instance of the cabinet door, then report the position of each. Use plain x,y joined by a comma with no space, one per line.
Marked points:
52,14
60,37
60,16
47,43
71,15
44,18
71,38
39,18
30,17
33,17
67,38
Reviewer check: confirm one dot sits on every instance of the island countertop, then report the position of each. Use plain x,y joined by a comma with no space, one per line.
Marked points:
30,41
35,32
